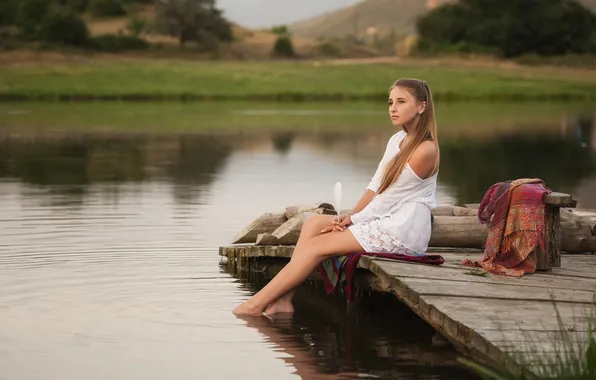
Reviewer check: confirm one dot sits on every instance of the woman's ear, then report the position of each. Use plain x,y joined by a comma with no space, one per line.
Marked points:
422,108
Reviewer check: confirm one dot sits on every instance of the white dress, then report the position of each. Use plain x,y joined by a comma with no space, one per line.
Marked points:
399,219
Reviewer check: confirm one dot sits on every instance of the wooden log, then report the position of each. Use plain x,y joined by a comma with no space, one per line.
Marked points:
450,231
321,208
289,232
464,211
266,223
576,239
458,231
266,239
559,200
568,215
554,201
453,211
442,211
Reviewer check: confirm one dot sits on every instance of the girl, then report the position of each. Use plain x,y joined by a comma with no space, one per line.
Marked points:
393,215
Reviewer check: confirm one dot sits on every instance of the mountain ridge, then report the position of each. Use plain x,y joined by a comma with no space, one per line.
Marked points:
385,16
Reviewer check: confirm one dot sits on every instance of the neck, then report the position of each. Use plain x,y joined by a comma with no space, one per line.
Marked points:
411,126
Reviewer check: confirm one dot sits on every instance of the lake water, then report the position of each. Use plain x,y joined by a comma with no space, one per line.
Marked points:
112,215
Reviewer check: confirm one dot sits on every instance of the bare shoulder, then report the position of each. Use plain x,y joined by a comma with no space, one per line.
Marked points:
423,159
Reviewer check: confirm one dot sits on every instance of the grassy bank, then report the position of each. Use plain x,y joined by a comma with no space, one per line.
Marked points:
145,79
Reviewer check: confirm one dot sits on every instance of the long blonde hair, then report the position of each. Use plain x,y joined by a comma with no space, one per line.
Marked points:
426,129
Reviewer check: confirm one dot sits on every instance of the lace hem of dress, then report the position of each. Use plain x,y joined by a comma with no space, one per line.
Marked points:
380,241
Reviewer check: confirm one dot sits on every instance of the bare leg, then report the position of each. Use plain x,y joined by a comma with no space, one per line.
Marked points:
312,227
298,269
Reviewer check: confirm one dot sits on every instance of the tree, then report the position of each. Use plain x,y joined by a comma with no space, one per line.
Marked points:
280,30
78,5
63,25
52,21
514,27
283,47
31,14
137,25
106,8
193,20
8,12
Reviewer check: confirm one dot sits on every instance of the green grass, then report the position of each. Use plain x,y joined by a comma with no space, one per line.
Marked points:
574,358
178,79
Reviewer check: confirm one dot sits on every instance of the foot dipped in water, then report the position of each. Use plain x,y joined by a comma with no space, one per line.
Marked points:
280,306
247,309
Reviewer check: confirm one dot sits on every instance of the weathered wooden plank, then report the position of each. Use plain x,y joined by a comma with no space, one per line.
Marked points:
253,251
559,200
579,267
572,265
458,275
515,314
492,291
537,342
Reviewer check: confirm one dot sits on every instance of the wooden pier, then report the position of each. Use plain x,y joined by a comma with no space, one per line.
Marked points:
520,324
506,322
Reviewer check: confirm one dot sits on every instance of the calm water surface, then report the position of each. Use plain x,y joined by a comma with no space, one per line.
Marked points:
111,217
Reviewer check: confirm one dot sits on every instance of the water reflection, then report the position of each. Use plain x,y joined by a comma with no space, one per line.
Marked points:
470,166
282,141
376,337
69,165
191,162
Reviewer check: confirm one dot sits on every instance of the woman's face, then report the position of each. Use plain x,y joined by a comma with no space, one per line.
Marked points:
403,107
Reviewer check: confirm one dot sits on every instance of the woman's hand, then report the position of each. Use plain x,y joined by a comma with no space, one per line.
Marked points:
339,224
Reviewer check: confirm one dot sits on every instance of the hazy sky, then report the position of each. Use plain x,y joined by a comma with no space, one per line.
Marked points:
264,13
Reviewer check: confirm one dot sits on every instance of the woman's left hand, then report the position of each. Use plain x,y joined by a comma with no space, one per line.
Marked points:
346,221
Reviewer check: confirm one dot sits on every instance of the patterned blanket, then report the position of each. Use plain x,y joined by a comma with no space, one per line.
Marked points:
339,270
516,228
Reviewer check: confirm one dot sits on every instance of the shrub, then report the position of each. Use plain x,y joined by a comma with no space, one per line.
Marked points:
106,8
283,47
329,48
137,25
118,42
30,15
280,30
63,25
193,20
78,5
8,12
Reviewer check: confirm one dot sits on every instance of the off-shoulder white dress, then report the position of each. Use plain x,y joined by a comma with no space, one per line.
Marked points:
399,219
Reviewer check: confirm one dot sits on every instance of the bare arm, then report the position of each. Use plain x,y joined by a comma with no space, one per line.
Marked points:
421,162
364,200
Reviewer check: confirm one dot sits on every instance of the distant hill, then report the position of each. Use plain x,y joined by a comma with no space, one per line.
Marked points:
248,43
383,15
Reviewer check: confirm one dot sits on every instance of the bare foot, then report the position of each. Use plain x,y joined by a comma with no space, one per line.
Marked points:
280,307
246,309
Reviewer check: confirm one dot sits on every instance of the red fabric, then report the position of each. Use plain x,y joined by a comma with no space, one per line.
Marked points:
341,269
515,211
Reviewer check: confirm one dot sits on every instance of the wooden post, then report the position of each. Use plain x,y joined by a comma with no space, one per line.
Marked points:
552,257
